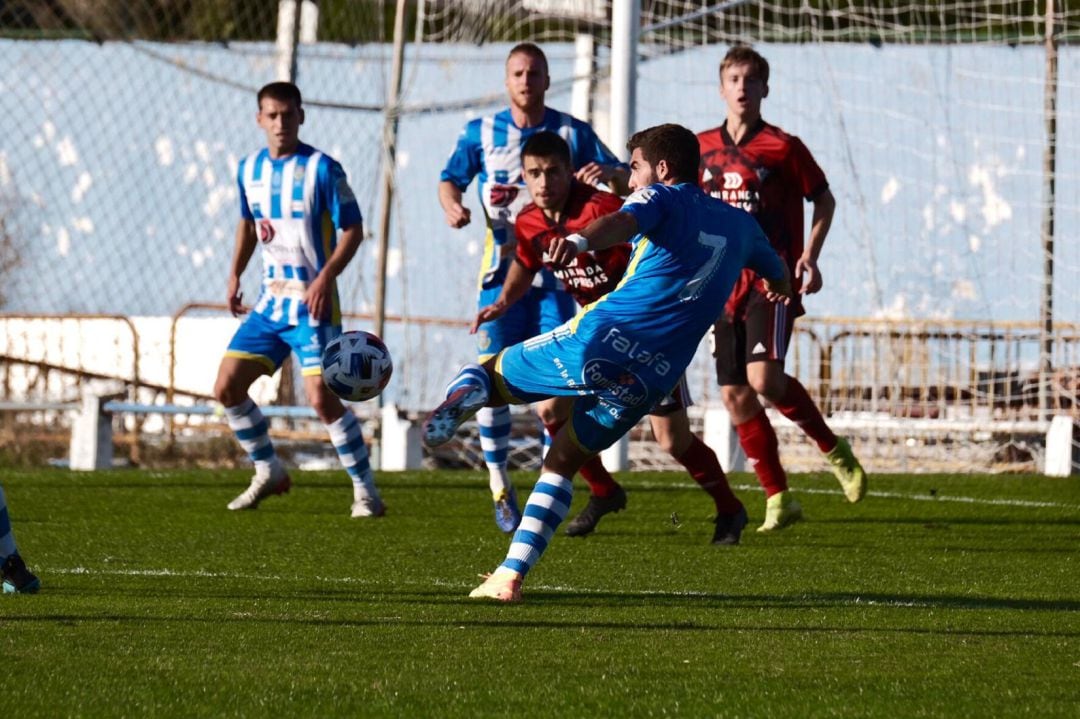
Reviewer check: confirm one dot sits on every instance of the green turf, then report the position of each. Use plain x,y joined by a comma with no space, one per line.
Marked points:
156,601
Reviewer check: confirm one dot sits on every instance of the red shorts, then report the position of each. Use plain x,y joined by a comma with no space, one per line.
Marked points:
762,336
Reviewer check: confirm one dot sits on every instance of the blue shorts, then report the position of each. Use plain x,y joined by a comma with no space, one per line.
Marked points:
613,386
537,312
268,342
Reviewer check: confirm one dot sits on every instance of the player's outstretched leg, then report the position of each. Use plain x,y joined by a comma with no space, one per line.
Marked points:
465,395
544,511
17,579
797,406
347,437
253,434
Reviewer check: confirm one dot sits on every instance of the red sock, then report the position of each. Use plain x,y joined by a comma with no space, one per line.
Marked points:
800,409
595,474
758,440
704,467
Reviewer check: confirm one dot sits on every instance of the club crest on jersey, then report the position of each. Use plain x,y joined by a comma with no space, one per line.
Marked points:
266,231
634,351
503,195
622,387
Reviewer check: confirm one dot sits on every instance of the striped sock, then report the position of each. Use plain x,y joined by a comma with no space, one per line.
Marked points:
471,375
7,537
253,433
546,508
348,439
495,442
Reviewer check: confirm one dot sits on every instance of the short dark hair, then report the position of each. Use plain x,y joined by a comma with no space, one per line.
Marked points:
746,55
531,49
550,145
672,143
282,92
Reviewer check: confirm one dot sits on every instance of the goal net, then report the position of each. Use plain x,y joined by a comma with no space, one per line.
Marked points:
126,122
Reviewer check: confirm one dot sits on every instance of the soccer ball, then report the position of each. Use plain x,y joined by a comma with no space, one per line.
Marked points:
356,366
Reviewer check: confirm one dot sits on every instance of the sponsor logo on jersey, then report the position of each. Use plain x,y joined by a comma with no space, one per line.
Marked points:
266,231
503,195
622,387
732,180
633,350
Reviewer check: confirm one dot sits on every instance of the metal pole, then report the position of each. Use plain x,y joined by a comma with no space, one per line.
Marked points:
288,37
390,127
1046,306
584,70
625,27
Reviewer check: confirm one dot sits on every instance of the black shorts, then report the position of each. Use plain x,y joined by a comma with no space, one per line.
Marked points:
678,398
763,335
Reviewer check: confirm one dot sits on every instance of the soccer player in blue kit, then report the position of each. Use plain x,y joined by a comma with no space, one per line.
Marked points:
489,149
625,351
294,200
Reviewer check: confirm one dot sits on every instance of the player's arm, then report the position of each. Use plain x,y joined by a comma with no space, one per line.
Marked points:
518,281
763,260
457,215
616,177
806,266
602,233
244,248
318,294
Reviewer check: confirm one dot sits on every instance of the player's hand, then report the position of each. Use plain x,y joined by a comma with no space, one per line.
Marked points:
562,252
594,173
235,298
811,275
492,312
458,215
779,290
317,297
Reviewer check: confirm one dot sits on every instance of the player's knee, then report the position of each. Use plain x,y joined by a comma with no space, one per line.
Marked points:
327,406
227,393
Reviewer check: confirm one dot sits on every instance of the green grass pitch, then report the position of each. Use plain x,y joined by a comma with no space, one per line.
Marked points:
936,596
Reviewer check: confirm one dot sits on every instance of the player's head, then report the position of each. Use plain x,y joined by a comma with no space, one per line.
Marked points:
744,81
527,76
547,169
666,153
281,113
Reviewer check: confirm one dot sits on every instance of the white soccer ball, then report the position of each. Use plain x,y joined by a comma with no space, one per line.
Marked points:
356,366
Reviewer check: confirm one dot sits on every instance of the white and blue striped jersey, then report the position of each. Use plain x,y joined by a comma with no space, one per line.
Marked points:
490,148
297,204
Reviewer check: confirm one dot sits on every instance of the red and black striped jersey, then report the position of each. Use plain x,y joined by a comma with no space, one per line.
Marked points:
592,274
768,173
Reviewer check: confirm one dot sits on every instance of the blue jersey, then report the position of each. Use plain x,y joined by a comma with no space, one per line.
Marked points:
297,204
490,147
686,258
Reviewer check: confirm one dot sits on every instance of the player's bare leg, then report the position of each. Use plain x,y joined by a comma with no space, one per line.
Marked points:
235,377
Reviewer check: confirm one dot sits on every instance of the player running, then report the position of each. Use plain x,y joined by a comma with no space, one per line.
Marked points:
751,164
293,201
562,206
489,149
626,351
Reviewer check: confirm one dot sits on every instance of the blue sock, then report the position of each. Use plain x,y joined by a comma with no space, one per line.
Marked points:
471,375
495,442
546,509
